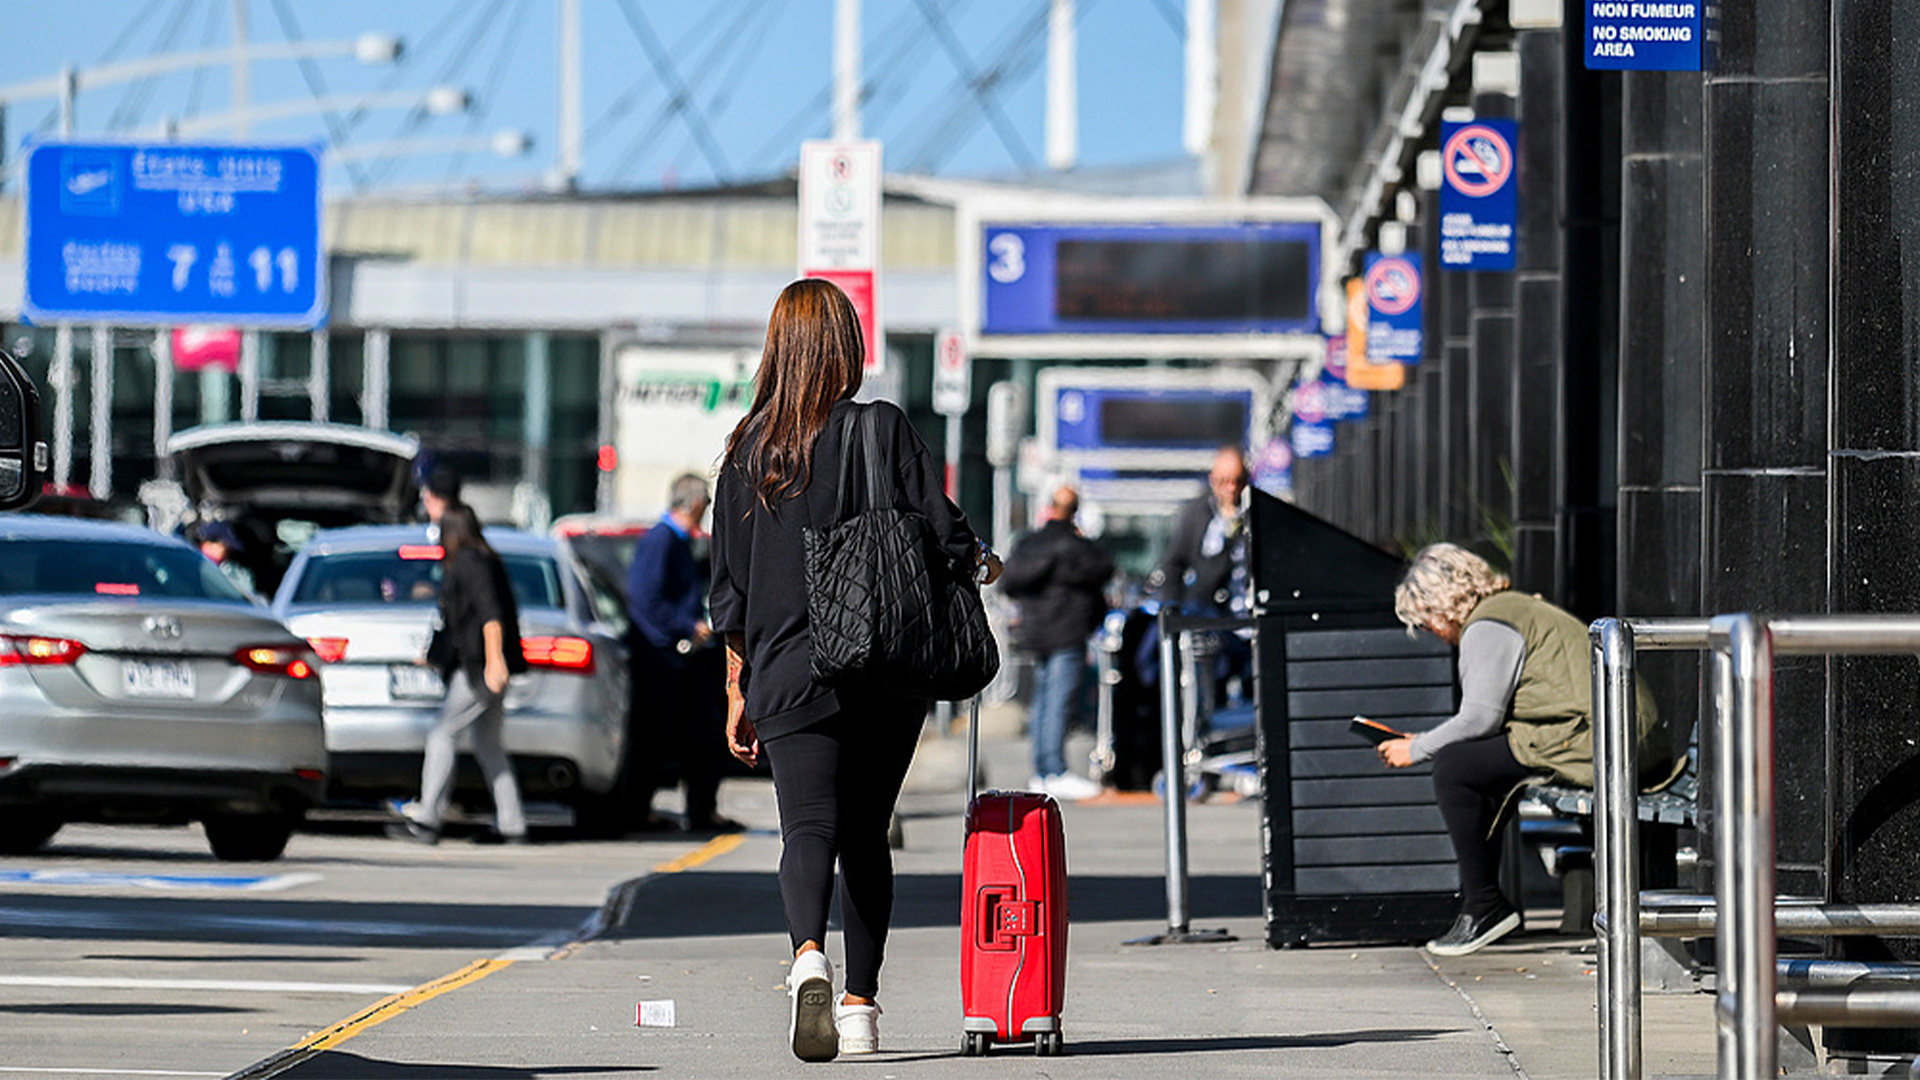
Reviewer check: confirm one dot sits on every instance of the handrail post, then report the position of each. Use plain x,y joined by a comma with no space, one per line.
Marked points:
1744,846
1174,772
1617,853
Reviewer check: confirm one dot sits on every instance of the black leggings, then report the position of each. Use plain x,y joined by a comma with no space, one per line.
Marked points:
836,782
1470,782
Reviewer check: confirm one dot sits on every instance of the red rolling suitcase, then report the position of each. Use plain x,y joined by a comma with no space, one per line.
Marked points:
1013,916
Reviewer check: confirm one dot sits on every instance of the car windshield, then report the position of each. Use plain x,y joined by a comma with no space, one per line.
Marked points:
108,568
411,575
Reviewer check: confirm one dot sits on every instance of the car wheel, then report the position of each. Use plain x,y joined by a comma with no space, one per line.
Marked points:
248,837
24,830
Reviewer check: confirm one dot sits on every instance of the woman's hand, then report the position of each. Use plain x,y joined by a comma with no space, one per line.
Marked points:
1396,753
495,674
743,741
992,566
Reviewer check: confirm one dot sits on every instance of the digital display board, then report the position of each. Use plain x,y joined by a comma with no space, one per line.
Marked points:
1240,277
1172,420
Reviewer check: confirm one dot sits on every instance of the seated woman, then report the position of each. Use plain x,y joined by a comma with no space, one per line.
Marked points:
1526,689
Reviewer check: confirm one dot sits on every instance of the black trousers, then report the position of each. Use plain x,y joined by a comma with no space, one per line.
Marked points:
836,782
1470,782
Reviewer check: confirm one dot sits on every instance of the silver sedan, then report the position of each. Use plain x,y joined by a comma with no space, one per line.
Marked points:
137,685
365,598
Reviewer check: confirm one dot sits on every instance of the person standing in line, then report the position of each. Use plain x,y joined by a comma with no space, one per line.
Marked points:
667,602
839,754
1059,578
481,617
1526,688
1204,569
222,545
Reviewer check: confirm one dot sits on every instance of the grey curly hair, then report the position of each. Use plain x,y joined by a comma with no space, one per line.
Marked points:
1446,581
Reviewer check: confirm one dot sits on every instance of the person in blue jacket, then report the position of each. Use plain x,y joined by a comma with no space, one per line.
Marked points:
678,703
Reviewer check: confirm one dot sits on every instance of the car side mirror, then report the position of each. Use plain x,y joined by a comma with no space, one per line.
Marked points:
23,454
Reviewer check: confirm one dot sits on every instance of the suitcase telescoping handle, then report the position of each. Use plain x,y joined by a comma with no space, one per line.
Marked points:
973,750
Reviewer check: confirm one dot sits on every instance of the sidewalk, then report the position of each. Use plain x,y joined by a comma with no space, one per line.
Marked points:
710,939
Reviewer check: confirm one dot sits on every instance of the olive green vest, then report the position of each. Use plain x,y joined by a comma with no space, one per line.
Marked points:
1551,723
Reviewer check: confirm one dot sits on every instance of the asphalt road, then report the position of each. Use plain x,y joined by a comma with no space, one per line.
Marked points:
130,951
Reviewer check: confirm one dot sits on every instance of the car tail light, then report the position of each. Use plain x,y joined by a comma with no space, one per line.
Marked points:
286,660
564,653
330,650
309,774
20,650
426,552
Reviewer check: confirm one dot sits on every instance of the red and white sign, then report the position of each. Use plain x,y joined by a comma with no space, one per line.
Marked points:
200,346
1477,160
952,374
840,228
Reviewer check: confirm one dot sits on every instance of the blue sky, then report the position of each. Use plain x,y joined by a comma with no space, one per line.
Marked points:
758,72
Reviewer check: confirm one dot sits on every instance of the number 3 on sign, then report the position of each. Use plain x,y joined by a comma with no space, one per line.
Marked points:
1009,258
262,262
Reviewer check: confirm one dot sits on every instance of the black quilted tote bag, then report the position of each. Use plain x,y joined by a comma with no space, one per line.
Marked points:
888,607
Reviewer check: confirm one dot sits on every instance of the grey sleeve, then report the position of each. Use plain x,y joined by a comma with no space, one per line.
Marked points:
1491,654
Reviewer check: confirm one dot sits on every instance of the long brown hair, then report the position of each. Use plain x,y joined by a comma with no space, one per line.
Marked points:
815,357
459,530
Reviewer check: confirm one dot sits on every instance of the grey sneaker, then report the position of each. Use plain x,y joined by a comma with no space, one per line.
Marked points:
811,1031
1471,933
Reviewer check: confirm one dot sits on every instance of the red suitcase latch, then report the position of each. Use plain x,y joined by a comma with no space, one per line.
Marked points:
1003,920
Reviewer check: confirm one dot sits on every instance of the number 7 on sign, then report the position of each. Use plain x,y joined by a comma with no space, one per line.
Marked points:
262,262
183,256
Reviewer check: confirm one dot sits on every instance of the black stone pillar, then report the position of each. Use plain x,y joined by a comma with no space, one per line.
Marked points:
1539,349
1874,464
1765,485
1491,392
1662,335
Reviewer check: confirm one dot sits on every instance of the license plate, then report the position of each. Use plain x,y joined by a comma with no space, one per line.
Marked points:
415,682
157,679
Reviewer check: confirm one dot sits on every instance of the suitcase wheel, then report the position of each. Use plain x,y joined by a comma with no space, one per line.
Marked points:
1048,1044
974,1044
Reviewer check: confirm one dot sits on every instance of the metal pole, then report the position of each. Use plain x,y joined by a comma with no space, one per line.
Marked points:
1172,762
1744,846
69,85
953,458
320,377
569,140
241,81
1063,106
846,70
162,402
250,376
373,393
61,376
535,428
100,463
1203,68
1616,855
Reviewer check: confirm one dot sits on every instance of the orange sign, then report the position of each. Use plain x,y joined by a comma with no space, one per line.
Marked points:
1363,373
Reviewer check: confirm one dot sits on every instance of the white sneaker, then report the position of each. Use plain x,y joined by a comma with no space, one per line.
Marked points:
811,1030
1069,787
859,1027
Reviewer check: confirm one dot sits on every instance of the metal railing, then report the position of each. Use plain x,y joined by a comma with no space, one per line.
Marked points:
1751,1001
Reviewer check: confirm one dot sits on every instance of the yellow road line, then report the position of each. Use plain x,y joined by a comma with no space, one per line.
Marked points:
387,1008
706,852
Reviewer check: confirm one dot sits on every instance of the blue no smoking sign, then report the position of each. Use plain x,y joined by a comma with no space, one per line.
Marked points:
1649,35
159,234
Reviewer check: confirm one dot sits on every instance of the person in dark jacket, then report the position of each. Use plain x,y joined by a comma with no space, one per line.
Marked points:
674,713
479,613
839,754
1204,570
1059,577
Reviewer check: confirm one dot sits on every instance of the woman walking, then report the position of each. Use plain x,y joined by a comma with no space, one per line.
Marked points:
838,754
478,612
1526,687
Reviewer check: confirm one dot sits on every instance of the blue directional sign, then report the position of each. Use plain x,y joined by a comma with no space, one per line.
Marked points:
165,233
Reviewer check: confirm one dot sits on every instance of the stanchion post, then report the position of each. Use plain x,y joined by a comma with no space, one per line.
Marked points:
1744,846
1173,773
1617,855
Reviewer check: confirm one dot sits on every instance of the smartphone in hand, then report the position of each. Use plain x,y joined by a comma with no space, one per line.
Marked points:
1374,731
